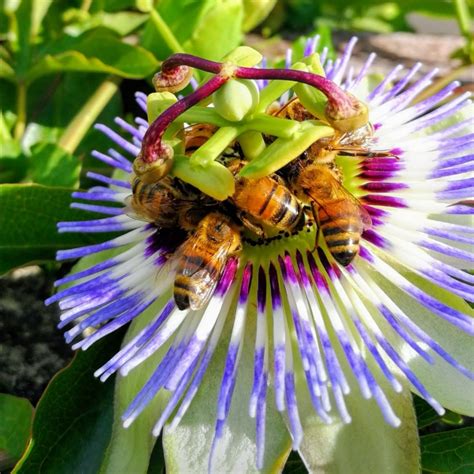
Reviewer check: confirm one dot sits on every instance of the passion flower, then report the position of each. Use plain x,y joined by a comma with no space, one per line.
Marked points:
290,330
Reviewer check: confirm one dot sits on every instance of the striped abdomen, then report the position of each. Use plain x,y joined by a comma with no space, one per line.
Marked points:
341,226
202,259
267,202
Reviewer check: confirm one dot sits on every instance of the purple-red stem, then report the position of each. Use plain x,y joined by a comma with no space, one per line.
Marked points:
334,94
151,145
182,59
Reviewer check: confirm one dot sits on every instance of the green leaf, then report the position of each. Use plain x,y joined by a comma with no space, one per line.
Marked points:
28,217
255,11
130,449
123,23
52,166
83,54
73,420
448,452
13,163
16,415
425,414
6,71
187,447
208,28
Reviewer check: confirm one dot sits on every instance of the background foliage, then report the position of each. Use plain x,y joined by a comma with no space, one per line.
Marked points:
65,64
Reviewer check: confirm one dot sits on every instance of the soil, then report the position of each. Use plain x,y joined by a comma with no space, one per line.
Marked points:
32,349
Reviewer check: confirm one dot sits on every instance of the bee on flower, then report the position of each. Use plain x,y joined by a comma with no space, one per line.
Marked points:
304,239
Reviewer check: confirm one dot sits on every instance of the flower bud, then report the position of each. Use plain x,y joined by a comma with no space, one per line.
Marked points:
236,98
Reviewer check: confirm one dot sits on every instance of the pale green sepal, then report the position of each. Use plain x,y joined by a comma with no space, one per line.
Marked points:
187,447
130,449
447,385
243,56
213,179
366,445
158,102
283,150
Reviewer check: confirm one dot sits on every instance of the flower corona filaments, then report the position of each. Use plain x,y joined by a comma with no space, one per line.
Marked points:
317,277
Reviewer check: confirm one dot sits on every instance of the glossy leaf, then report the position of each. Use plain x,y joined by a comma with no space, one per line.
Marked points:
83,54
28,218
448,452
16,415
73,420
52,166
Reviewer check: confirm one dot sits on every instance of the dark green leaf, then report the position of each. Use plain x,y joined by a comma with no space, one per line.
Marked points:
448,452
28,218
84,54
73,420
52,166
16,415
425,415
13,164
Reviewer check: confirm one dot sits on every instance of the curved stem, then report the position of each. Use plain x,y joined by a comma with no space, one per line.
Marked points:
182,59
20,110
151,145
327,87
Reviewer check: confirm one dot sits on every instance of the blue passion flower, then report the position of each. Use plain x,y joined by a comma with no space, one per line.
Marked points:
315,333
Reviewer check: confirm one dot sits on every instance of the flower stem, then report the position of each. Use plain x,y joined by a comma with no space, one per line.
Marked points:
89,112
20,110
464,21
165,32
152,146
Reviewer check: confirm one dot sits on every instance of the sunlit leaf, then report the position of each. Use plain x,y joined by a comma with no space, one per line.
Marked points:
83,54
52,166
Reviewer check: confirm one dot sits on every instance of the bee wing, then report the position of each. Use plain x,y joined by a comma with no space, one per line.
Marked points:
340,192
204,275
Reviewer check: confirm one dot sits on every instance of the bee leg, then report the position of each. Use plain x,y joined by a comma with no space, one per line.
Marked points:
255,228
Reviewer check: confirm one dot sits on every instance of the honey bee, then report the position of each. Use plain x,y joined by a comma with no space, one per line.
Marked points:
358,142
340,217
196,135
264,203
168,203
154,202
202,257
